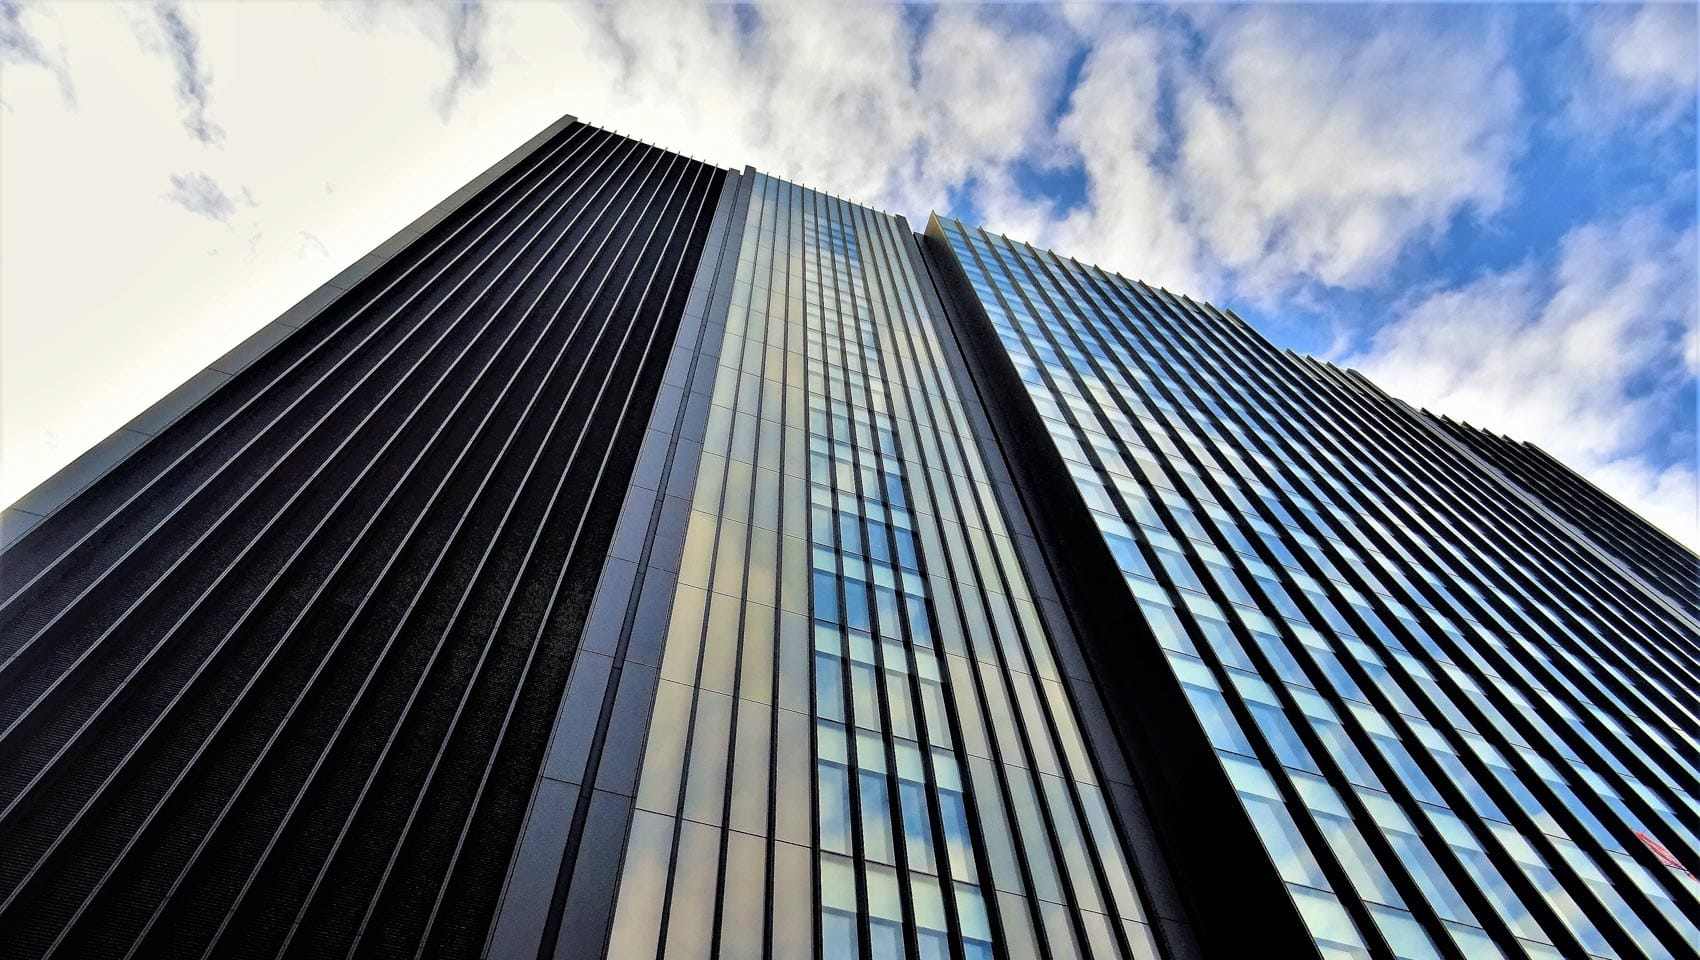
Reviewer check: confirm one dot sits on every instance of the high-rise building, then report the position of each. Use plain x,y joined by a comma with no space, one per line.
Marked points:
636,559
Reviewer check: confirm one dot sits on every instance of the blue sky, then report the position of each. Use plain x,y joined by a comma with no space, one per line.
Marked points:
1490,210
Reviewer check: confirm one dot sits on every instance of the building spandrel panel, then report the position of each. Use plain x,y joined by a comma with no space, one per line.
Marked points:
1457,727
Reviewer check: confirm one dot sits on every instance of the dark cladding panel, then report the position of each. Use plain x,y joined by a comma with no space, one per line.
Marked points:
281,679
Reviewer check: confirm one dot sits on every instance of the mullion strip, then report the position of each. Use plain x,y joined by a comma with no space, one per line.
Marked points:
1317,845
1491,913
869,275
1582,836
1070,782
472,581
700,371
937,404
25,794
913,334
897,389
1579,838
760,375
691,744
236,794
1416,903
680,196
22,657
714,194
1050,286
1444,784
468,222
828,272
980,700
1609,760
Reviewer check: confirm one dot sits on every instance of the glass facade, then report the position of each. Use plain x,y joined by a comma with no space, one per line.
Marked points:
638,559
857,692
1457,728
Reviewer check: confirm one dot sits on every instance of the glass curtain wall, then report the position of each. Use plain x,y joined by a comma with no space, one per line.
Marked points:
861,746
1457,732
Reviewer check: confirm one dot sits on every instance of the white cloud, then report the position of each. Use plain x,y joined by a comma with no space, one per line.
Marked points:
1353,138
209,176
1302,145
212,163
1641,64
199,193
1575,356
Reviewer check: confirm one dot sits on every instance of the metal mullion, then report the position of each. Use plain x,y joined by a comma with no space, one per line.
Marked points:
1092,748
1320,849
1584,839
472,581
1444,785
1550,802
1074,793
1423,910
790,326
705,204
736,202
743,611
1416,903
1562,671
1530,468
1650,610
1638,621
1532,901
150,819
53,564
678,816
407,536
895,306
809,248
1544,791
23,797
1612,687
857,843
841,214
1100,875
679,193
1424,462
1530,471
968,453
929,780
842,269
979,698
27,717
1656,648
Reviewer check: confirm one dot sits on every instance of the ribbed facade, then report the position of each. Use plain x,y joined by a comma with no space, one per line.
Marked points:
1648,551
638,559
1456,728
278,683
859,735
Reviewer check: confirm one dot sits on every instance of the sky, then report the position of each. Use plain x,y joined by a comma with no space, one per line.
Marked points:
1490,210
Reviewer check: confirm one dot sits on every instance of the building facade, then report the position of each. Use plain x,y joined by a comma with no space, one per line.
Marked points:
635,558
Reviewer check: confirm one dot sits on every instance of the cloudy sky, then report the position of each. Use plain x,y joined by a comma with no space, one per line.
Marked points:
1490,210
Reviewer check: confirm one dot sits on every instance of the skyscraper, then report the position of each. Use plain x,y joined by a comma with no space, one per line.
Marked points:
634,558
